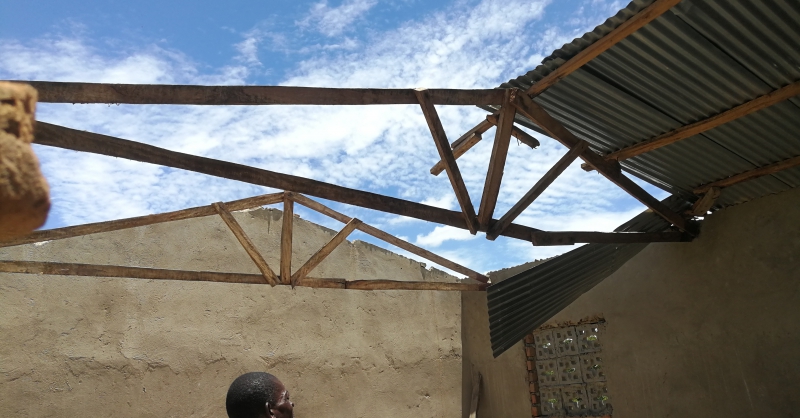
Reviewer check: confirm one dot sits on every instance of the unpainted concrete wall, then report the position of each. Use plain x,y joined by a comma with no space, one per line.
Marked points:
141,348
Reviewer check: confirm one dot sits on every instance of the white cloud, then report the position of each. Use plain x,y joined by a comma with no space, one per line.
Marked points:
384,149
333,21
441,234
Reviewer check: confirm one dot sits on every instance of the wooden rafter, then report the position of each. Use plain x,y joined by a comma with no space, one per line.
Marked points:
473,136
397,242
630,26
750,175
91,270
59,92
568,237
498,227
497,161
247,244
687,131
446,154
610,170
323,252
116,225
286,239
66,138
706,201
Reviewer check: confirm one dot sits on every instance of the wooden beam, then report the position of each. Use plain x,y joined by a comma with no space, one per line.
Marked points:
630,26
750,175
537,189
610,170
66,92
517,133
687,131
66,138
115,225
72,139
446,155
386,237
286,239
323,252
497,162
248,245
706,201
474,135
573,237
91,270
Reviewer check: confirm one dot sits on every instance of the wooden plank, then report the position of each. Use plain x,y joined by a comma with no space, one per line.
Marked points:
66,138
476,393
750,175
67,92
92,270
460,150
446,155
497,162
115,225
72,139
573,237
474,135
402,285
248,245
386,237
687,131
609,169
704,204
517,133
323,252
630,26
537,189
286,239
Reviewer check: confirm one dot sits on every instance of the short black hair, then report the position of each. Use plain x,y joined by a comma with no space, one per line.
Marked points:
249,393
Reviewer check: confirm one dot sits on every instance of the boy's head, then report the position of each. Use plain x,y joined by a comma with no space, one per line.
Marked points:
258,395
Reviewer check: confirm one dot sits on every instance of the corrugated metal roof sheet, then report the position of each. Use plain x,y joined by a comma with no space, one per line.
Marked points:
523,302
698,59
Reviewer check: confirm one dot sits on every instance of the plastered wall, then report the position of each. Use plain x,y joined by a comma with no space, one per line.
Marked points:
75,346
704,329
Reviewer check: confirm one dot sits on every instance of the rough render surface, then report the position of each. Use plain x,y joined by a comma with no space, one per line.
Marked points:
707,329
24,194
504,391
701,329
141,348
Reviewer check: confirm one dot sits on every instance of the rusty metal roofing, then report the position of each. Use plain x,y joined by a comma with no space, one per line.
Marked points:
698,59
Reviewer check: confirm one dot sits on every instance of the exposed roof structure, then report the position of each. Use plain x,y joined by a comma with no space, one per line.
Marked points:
701,101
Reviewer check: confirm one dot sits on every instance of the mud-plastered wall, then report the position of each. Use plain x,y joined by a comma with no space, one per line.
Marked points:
75,346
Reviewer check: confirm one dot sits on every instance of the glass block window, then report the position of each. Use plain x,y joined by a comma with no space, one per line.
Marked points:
565,371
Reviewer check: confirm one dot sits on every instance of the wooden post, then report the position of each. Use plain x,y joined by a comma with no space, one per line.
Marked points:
248,245
497,162
537,189
445,153
609,170
286,239
323,252
476,393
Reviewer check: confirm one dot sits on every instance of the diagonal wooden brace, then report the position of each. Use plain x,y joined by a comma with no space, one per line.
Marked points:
609,169
323,252
446,154
248,245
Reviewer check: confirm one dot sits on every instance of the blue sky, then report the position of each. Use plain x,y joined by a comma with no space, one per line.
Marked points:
350,43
